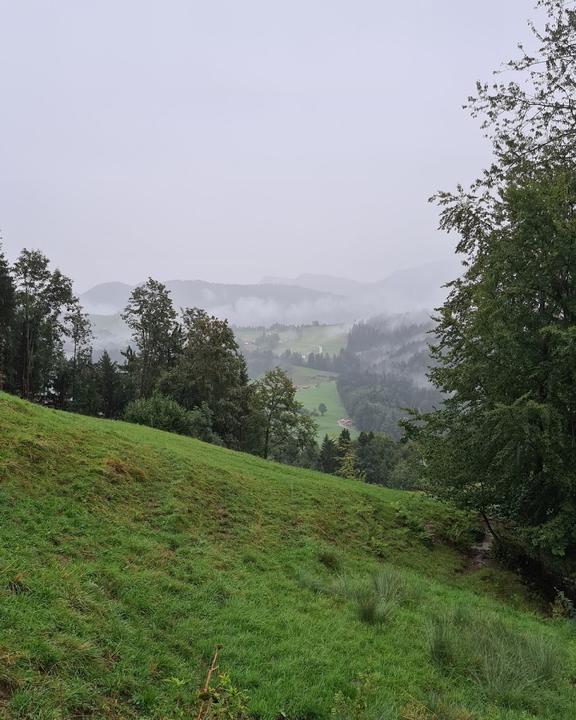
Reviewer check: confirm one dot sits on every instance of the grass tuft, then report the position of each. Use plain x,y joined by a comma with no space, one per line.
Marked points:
512,667
375,595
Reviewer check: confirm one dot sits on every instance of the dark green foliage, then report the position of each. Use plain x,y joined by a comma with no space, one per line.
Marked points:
151,316
211,370
376,457
111,387
328,457
407,472
504,441
344,442
372,458
7,310
280,427
45,337
383,373
378,401
73,381
163,413
42,298
79,332
563,607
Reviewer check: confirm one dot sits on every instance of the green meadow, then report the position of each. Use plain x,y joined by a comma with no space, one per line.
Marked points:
302,339
315,387
127,554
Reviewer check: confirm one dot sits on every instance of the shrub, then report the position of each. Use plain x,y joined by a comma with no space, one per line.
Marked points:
431,522
563,607
163,413
222,701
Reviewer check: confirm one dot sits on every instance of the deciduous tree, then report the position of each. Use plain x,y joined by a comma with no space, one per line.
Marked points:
504,441
151,316
42,297
281,417
211,370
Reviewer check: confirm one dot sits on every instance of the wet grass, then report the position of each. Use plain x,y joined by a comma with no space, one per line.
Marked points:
127,554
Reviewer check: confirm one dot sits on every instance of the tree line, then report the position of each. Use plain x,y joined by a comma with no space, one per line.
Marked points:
372,458
182,373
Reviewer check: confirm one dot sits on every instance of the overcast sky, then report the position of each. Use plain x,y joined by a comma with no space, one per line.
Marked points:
230,139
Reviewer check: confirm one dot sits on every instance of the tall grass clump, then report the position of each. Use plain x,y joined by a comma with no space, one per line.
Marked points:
510,666
375,596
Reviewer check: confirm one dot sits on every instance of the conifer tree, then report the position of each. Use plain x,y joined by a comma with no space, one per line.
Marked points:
328,458
7,308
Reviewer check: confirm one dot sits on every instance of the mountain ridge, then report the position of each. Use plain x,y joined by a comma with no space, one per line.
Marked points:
320,298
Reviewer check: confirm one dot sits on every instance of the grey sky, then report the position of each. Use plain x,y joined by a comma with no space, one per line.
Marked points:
227,140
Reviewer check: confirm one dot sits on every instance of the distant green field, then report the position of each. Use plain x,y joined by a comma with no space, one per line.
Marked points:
306,339
315,387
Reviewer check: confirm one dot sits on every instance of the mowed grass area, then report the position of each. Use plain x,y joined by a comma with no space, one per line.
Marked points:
304,339
315,387
127,554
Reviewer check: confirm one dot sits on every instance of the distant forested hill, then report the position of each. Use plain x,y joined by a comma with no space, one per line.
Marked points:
241,304
383,372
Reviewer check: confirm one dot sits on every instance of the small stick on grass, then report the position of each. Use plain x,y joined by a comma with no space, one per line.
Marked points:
206,700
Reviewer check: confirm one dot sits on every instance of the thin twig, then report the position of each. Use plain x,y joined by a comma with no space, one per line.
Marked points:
206,701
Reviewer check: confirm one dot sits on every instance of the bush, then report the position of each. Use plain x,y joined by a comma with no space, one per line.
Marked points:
221,701
431,521
563,607
163,413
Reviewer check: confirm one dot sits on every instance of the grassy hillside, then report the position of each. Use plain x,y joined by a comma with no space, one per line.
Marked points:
127,554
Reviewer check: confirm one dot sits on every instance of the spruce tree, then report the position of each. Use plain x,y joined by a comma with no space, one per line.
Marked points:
328,458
